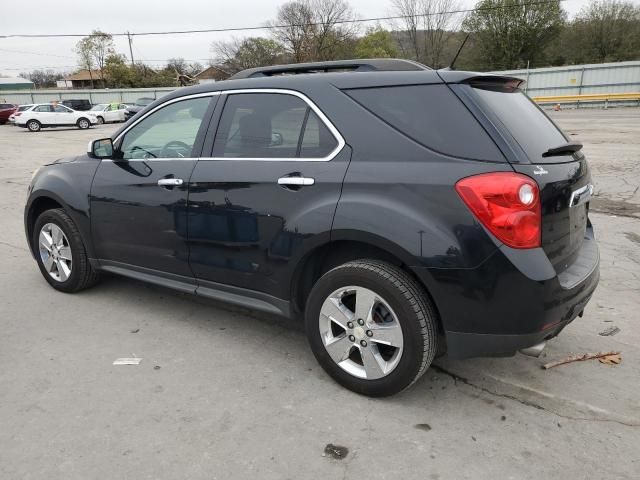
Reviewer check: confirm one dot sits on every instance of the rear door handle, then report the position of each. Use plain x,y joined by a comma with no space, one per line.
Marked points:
296,181
170,182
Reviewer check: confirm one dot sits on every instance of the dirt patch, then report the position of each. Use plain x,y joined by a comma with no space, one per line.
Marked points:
614,207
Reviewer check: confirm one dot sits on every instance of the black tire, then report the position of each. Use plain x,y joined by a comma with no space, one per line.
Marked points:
416,316
82,273
83,123
34,126
100,121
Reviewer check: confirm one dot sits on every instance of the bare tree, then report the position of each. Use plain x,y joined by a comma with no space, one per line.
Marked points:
334,27
101,47
239,54
84,50
315,29
294,28
427,24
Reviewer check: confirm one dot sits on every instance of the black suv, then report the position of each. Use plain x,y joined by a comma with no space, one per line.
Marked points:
403,212
81,104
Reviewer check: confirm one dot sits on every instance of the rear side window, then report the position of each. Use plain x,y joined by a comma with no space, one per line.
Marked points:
431,115
269,125
528,125
43,108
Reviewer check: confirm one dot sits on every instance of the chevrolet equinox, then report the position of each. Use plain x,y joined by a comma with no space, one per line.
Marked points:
403,212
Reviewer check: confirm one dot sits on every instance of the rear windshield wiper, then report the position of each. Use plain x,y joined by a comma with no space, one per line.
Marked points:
564,149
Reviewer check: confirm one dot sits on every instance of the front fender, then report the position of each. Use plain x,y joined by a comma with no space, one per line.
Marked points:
67,184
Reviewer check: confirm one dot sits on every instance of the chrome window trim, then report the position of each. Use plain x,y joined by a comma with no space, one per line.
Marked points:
334,131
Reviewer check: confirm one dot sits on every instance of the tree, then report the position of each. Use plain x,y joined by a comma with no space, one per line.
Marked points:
427,24
315,29
42,78
377,43
84,50
511,33
101,46
239,54
607,31
293,28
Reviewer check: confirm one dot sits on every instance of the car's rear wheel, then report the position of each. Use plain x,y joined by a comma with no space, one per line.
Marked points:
83,124
371,327
34,125
61,253
100,121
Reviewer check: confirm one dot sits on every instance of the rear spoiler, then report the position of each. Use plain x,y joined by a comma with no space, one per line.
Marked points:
485,81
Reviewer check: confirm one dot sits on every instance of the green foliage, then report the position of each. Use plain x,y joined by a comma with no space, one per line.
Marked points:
510,33
121,74
377,43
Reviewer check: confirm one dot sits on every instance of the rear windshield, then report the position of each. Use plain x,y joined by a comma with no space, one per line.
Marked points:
432,116
528,125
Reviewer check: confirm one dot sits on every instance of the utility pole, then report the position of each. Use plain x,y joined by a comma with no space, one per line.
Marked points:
130,48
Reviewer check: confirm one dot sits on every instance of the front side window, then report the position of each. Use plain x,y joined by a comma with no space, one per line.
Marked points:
271,125
167,133
61,109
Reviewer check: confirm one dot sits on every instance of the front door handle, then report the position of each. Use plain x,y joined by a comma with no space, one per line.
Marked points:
170,182
296,181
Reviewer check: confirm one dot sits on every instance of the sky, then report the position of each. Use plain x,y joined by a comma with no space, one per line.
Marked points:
117,16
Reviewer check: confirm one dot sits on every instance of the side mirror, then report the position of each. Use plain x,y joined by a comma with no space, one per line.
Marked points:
101,148
276,139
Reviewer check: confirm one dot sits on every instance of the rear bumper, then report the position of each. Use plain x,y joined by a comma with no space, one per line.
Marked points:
496,308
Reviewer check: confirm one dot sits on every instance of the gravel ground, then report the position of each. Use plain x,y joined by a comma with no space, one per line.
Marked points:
226,393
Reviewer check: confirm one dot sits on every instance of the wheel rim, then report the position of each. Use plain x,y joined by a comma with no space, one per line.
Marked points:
84,124
55,252
33,126
361,332
100,120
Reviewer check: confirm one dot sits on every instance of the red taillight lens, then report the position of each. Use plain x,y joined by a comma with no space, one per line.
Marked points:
508,204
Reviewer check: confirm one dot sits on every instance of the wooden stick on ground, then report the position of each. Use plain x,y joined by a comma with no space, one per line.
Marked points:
578,358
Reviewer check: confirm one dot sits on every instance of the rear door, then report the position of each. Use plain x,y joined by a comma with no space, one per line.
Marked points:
45,114
544,153
267,193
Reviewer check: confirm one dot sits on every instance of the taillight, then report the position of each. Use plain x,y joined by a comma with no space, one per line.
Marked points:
507,204
17,114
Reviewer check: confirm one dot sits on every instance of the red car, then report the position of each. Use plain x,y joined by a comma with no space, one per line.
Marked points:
6,110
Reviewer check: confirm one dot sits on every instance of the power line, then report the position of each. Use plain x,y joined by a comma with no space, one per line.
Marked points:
271,27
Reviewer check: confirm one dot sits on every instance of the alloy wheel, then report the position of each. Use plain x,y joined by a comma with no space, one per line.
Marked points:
360,332
55,252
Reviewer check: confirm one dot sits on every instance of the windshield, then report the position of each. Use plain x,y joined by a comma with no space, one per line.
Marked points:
530,126
99,107
143,102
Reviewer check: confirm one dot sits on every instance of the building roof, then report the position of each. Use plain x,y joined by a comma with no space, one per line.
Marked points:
84,75
15,81
213,72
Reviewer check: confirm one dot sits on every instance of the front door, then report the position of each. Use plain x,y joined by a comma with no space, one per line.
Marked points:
139,199
266,194
63,115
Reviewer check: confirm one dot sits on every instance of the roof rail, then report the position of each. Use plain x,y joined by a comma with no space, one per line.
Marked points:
359,65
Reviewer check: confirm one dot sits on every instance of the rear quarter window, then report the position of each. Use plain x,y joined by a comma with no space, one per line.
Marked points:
431,115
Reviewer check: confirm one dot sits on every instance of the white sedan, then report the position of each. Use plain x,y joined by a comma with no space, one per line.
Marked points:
109,112
43,115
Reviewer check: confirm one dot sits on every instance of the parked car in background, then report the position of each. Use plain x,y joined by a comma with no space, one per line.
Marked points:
6,110
18,112
81,104
109,112
402,212
43,115
136,107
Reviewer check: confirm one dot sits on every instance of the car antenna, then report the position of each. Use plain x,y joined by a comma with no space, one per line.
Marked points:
450,67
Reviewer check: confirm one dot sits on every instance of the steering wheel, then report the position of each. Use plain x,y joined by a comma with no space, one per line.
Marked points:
169,150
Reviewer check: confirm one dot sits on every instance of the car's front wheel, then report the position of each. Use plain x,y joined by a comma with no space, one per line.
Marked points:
100,121
61,253
83,124
34,126
371,327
